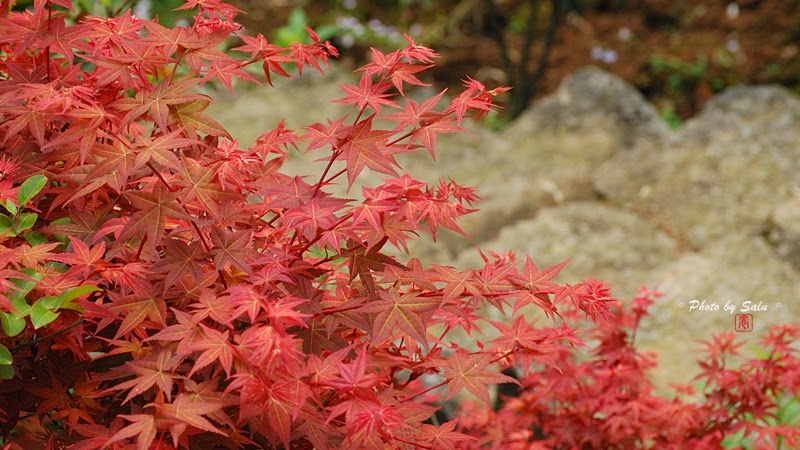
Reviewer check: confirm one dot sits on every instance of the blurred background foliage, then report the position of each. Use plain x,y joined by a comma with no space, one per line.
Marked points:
679,53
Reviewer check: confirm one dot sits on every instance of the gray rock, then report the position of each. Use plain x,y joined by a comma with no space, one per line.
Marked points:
600,241
594,99
723,172
548,155
783,231
514,180
732,270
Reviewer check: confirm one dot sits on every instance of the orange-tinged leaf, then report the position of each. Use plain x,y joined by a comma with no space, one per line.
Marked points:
443,437
161,149
143,427
215,347
157,103
200,191
537,280
404,311
154,370
469,372
180,258
136,308
367,148
232,247
33,256
189,410
367,94
154,207
190,117
458,282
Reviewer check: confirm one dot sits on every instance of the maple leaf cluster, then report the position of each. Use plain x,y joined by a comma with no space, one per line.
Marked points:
605,400
163,287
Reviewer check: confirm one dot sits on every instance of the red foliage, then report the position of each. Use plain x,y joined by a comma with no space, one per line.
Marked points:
604,400
164,288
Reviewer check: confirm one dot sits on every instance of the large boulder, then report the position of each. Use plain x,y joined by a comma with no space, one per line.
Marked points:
550,153
599,240
733,270
725,171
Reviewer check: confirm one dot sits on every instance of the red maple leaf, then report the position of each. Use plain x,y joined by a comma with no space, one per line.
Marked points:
153,208
83,260
157,102
215,346
367,94
232,247
469,371
136,308
442,436
404,72
380,63
366,147
403,311
153,370
180,258
143,427
458,282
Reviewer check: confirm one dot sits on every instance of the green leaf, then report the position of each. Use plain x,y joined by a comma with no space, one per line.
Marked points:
29,189
24,286
22,307
65,300
50,302
35,238
734,440
298,19
12,323
75,292
5,225
10,207
6,372
25,221
41,316
789,412
327,32
5,356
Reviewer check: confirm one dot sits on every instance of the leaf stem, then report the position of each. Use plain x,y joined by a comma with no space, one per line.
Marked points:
42,338
196,227
334,155
421,393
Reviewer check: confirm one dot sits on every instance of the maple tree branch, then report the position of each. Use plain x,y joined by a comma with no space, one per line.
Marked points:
515,349
415,129
336,175
407,135
42,338
421,393
329,311
157,173
334,155
446,330
196,227
181,53
141,247
319,235
125,5
47,48
494,28
325,260
415,444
